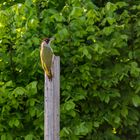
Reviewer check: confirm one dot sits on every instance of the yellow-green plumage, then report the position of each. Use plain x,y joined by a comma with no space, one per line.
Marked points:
46,55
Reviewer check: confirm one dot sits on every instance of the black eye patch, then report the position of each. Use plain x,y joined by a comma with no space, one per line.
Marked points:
47,40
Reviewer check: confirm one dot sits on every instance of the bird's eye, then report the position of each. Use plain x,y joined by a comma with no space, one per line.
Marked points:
47,40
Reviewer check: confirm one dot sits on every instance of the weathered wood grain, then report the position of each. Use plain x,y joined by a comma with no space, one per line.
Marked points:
51,103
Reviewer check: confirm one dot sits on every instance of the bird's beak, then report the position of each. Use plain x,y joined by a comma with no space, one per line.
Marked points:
52,38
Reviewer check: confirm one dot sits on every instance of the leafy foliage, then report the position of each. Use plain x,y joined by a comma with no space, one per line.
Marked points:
100,67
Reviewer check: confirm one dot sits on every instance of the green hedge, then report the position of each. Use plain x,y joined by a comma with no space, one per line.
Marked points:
99,46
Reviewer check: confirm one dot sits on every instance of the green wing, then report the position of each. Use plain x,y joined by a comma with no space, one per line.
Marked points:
47,58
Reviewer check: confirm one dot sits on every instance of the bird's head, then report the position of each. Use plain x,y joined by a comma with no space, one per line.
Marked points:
47,41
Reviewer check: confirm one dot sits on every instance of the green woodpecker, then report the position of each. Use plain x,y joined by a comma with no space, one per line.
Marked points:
46,55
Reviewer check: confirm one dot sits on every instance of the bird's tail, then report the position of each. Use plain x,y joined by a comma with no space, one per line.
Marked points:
49,74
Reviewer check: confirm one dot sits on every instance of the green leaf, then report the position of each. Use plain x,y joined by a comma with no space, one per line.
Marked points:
134,69
137,89
64,131
136,100
86,53
83,128
76,12
36,40
28,3
18,91
3,137
122,4
29,137
8,84
114,52
58,17
32,102
32,112
11,123
110,20
16,122
108,30
9,136
32,88
69,105
62,34
124,111
107,99
124,37
72,113
110,7
117,120
96,124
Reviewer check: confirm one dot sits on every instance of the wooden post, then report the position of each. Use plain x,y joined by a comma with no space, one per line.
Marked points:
51,102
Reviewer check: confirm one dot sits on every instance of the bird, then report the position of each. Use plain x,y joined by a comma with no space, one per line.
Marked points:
46,56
